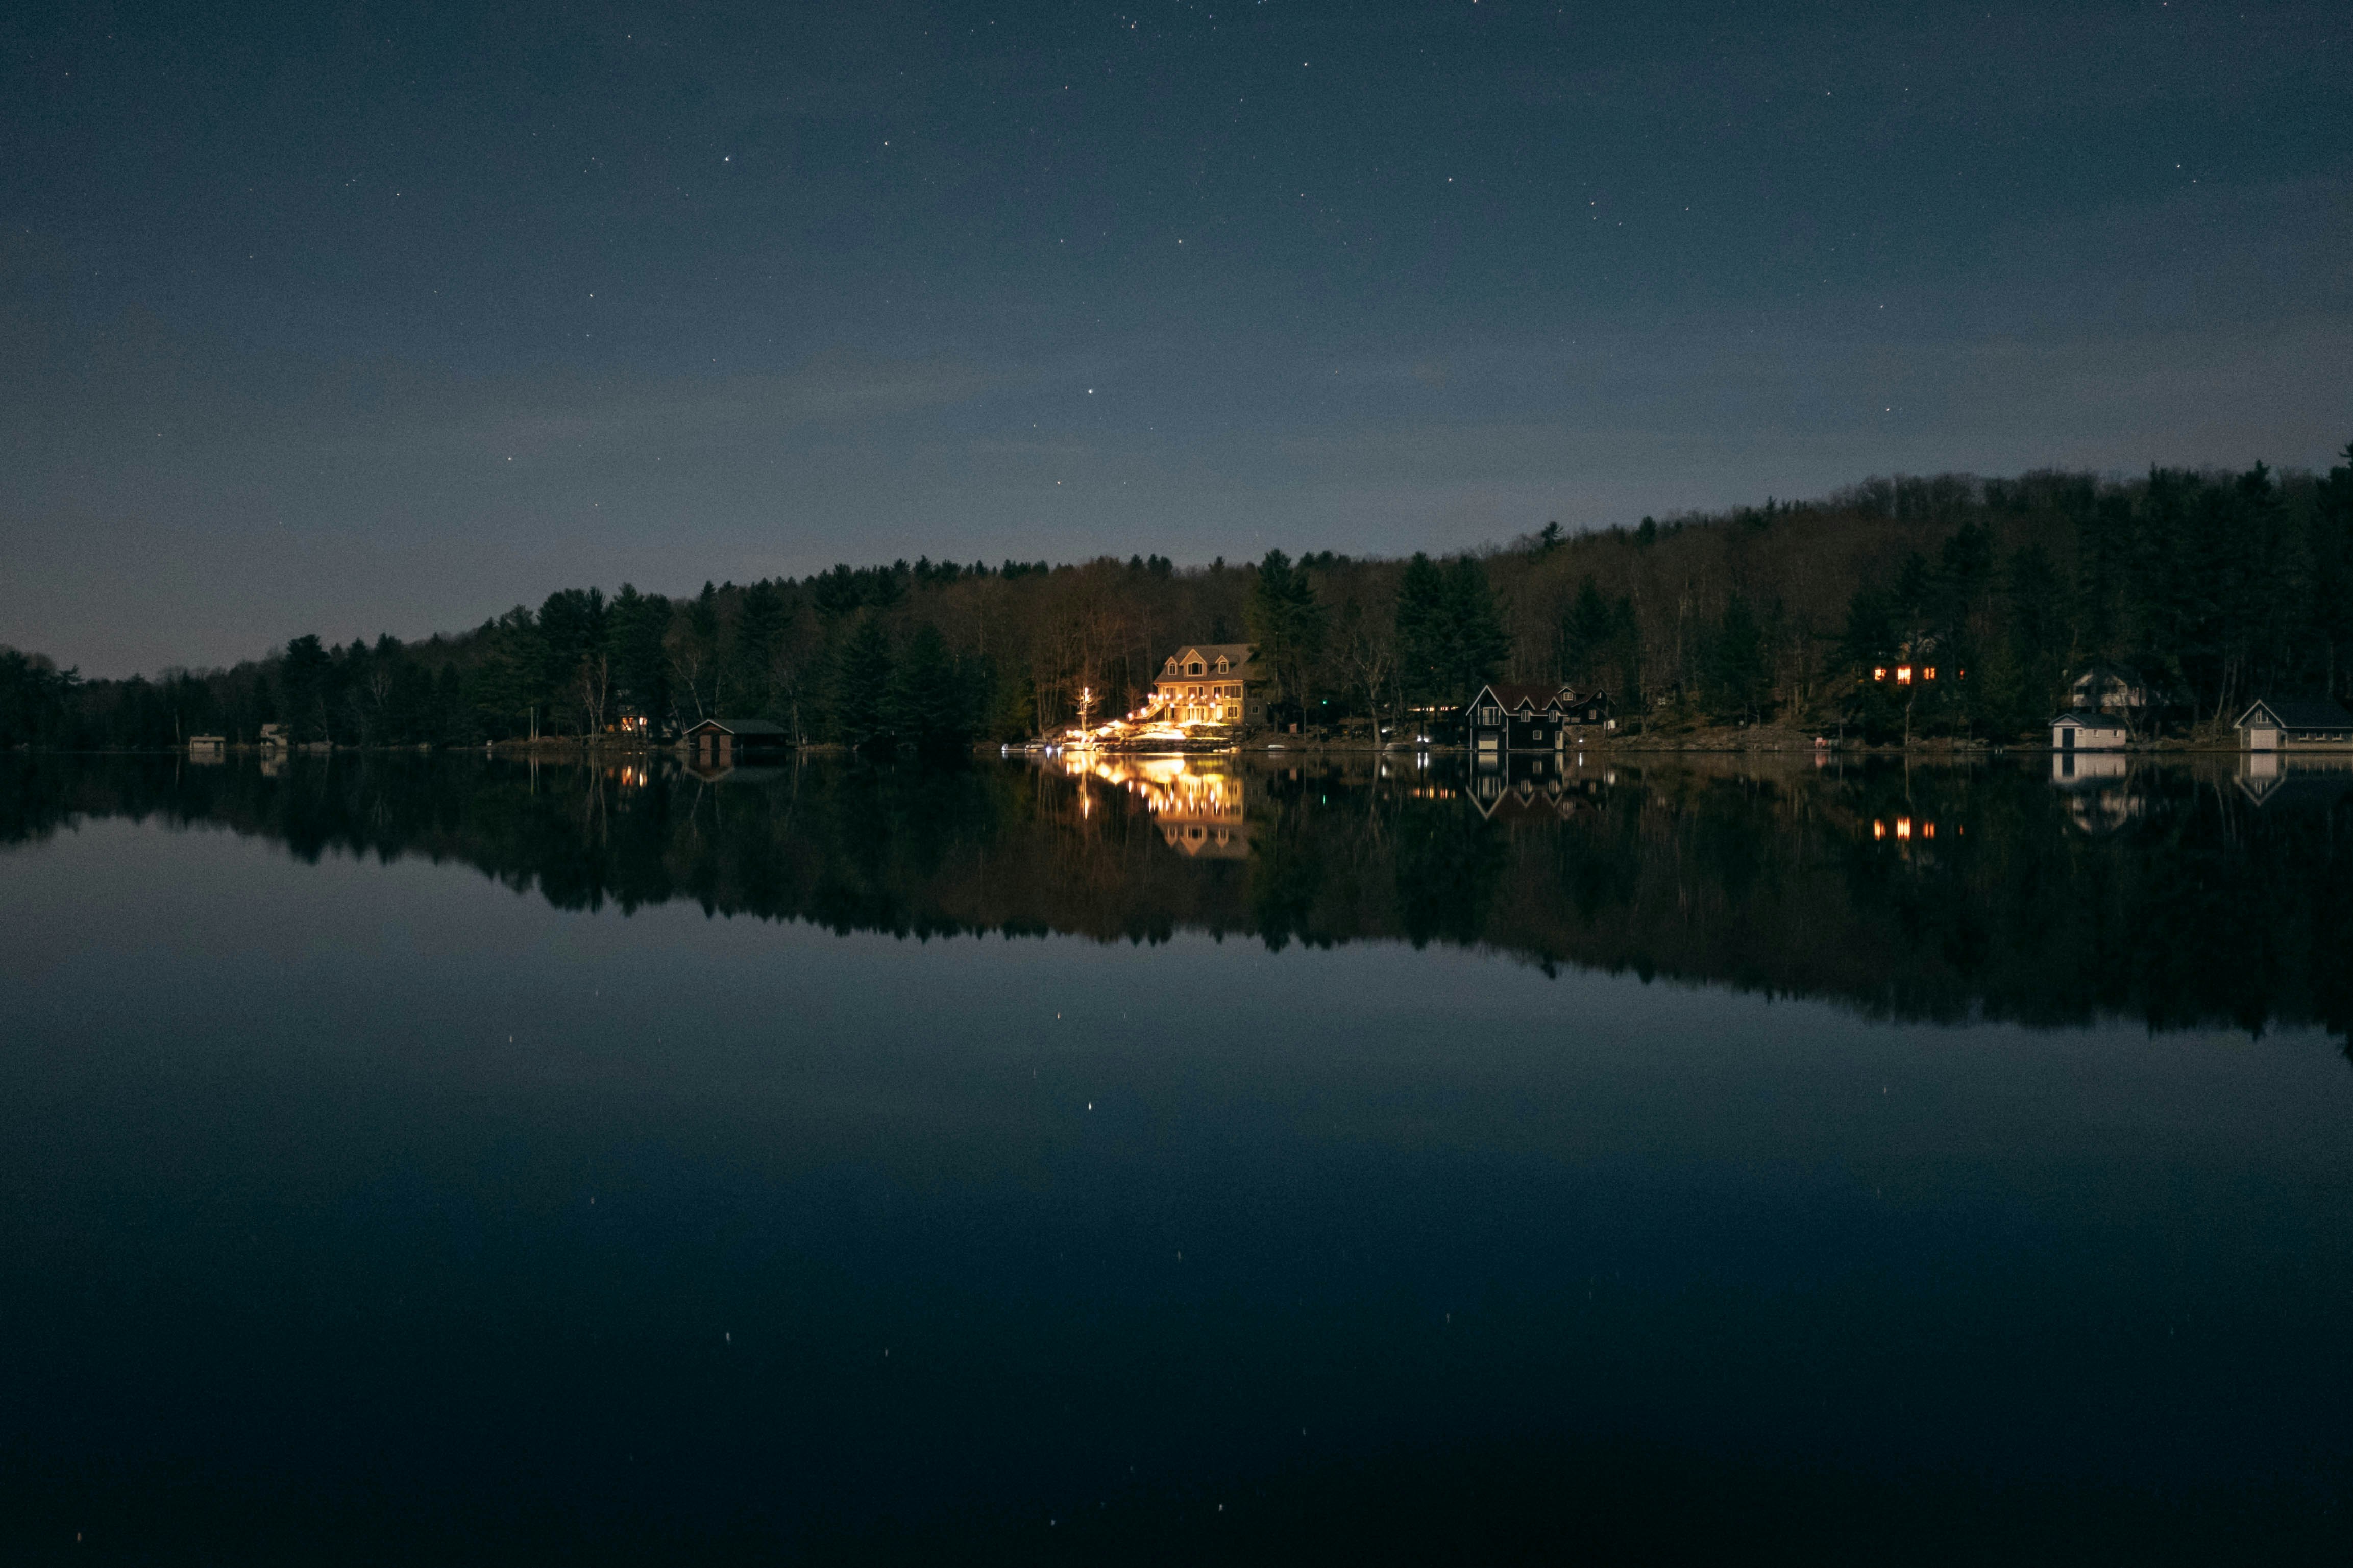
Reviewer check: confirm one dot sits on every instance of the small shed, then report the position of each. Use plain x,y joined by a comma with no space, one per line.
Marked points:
720,742
2084,732
2295,724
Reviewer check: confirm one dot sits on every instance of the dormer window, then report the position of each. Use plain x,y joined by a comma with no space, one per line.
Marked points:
1194,667
1222,665
1171,664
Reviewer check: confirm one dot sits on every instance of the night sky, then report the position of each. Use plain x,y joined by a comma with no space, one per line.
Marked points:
385,317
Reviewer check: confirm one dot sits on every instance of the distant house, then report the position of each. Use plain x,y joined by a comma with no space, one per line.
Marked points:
206,745
1505,717
2084,732
273,737
720,742
2112,689
2295,724
1593,711
1211,683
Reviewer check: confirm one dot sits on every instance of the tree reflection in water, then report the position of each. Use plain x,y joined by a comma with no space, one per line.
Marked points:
2185,896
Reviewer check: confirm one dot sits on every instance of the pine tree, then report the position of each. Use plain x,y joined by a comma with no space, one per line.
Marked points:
858,699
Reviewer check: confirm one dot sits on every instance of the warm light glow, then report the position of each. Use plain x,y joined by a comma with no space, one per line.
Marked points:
1879,830
1879,672
1902,827
1929,673
1904,675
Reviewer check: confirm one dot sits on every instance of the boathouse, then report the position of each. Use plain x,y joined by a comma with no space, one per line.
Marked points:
2295,724
2085,731
722,742
1507,718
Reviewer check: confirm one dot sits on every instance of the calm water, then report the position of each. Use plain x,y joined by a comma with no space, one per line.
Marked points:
413,1159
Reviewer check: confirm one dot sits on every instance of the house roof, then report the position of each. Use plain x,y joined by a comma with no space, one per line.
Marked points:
738,727
1514,697
2300,713
1236,654
2089,721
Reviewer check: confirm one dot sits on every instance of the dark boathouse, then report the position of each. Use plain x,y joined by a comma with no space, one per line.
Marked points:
723,743
1503,718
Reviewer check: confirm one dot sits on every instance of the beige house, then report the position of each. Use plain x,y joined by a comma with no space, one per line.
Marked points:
2082,731
1209,683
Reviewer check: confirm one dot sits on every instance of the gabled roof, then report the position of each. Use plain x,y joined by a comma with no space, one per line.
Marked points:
2081,720
1513,698
738,727
1236,654
2299,713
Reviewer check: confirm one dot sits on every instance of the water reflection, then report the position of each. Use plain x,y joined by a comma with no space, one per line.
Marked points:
2049,892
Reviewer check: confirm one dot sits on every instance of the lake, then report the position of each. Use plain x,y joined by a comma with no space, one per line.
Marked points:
435,1158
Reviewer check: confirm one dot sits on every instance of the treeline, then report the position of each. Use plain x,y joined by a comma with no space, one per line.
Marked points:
2209,588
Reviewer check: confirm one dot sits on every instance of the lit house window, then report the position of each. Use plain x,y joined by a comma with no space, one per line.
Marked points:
1879,672
1902,675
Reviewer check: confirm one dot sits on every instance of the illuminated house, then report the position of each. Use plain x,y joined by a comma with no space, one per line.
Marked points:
1211,683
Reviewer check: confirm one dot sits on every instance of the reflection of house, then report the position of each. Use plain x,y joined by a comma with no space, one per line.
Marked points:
2294,725
1200,812
719,742
2270,778
2081,732
2073,770
1507,718
273,739
1508,787
1211,683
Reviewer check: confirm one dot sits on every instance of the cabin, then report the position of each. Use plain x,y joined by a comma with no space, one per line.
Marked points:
208,745
722,742
2113,690
2082,731
1507,718
2295,724
1209,683
1593,711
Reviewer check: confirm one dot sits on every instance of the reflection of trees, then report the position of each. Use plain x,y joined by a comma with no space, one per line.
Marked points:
1928,894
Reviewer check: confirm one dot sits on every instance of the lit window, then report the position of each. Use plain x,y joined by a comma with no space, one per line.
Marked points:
1929,673
1879,673
1902,675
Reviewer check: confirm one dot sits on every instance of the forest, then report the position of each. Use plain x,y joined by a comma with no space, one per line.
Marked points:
2209,587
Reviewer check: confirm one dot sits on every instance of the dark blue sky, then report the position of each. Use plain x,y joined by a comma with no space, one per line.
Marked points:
384,317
